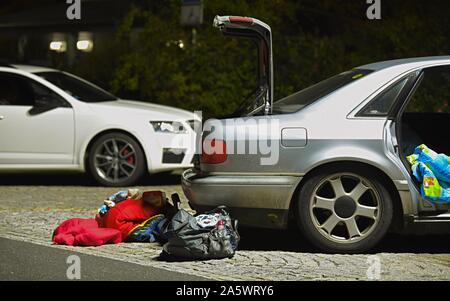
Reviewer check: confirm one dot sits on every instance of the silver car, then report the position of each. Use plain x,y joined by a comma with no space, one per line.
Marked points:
336,165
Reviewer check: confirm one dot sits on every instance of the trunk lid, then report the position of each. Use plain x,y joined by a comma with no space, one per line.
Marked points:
260,32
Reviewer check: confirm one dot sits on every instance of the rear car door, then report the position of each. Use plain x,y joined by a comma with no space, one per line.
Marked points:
36,124
424,118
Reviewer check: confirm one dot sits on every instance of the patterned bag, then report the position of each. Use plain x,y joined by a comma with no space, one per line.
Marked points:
433,171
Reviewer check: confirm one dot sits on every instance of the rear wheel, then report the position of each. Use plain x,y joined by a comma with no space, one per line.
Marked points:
344,210
116,159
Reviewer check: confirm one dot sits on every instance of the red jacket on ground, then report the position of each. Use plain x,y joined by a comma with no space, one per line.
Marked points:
84,232
127,215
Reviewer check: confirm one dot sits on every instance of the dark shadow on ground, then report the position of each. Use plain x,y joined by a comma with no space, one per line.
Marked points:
166,178
291,240
170,258
254,239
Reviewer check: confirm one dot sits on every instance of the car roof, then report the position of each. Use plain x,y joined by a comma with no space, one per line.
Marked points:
32,68
391,63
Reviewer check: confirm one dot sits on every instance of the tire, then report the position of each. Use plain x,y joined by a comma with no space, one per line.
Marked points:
127,157
330,225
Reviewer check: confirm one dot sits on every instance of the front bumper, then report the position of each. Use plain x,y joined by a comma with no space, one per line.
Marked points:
167,151
255,200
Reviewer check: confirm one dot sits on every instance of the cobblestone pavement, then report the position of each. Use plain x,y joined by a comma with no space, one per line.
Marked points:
30,213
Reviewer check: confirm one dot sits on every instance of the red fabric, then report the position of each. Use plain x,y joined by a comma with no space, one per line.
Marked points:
127,215
84,232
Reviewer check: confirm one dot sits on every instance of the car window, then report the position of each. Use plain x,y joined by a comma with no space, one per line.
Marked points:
382,104
298,100
18,90
14,91
77,88
433,92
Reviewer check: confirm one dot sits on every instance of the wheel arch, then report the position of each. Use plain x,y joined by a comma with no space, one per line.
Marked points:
85,156
397,222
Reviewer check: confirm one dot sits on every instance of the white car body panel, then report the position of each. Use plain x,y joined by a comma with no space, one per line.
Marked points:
62,135
24,132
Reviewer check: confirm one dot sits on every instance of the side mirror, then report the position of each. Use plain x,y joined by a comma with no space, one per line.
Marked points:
41,107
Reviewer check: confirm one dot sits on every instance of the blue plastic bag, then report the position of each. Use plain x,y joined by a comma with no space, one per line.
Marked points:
433,171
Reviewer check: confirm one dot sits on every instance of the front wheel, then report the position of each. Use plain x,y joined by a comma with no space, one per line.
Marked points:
344,211
116,159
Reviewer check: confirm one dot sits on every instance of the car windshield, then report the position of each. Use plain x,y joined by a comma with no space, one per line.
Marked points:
300,99
78,88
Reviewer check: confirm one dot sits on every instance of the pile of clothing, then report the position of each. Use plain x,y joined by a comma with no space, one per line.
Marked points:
433,171
124,216
132,215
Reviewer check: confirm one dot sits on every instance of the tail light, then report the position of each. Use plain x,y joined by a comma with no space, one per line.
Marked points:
214,151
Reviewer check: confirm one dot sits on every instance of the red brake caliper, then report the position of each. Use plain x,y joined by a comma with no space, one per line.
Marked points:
130,159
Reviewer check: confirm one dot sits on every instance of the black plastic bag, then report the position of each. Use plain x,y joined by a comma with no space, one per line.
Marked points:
186,239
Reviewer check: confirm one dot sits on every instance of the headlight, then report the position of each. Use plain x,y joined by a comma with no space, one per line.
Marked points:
174,127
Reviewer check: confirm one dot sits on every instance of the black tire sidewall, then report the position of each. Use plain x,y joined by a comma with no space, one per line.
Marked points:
310,232
139,157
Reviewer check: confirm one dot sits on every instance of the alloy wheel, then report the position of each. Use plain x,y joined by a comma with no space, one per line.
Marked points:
115,160
345,207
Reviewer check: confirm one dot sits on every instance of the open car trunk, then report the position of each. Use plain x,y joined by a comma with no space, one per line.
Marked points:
262,98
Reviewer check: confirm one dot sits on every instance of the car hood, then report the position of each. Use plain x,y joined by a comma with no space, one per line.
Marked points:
160,112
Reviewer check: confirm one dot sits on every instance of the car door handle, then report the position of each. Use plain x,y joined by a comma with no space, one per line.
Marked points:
2,117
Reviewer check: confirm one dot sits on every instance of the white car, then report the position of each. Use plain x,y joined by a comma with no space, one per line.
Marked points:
54,121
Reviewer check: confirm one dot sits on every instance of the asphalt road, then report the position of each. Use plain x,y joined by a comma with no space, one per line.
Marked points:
28,261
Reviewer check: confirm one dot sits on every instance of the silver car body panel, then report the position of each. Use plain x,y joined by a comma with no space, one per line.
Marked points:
332,133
